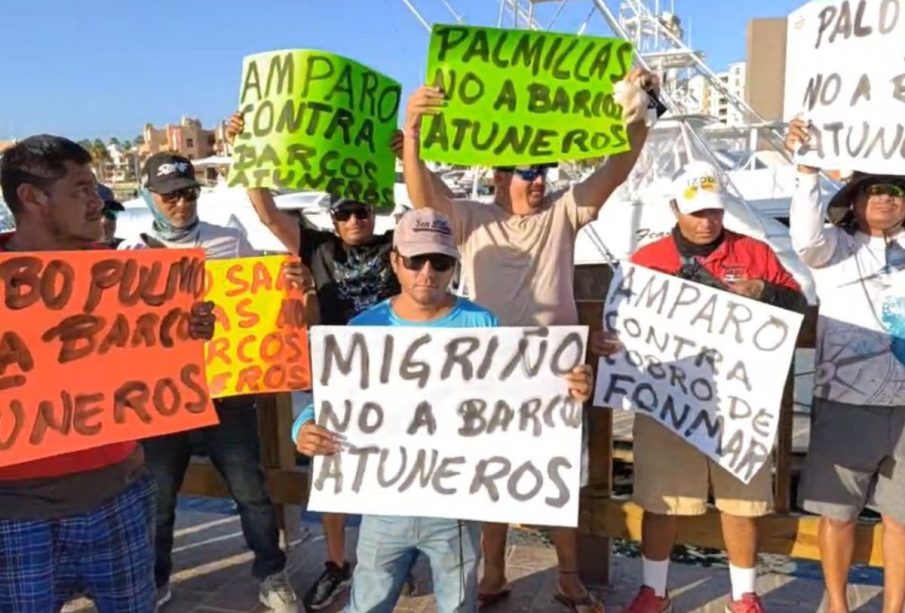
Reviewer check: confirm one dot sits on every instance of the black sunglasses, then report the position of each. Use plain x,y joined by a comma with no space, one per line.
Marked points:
345,214
439,262
893,190
190,194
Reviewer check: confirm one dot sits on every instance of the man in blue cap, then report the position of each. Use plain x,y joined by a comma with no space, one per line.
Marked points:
112,208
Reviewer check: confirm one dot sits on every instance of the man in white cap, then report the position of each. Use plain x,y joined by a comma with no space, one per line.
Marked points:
672,478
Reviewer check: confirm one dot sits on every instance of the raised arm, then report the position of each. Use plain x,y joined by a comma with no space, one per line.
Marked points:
439,185
594,191
812,239
281,224
420,181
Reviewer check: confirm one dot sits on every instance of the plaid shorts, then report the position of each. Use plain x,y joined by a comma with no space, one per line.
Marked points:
106,554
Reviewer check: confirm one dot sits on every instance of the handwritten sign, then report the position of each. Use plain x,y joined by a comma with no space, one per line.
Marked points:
707,364
845,71
260,344
316,121
95,350
461,423
521,97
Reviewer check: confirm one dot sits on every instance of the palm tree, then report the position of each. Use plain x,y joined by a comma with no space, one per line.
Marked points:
101,156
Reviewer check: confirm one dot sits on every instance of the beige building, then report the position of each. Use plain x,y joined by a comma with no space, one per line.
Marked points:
187,138
766,74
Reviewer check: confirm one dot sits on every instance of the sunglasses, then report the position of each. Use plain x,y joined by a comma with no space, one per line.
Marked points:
361,213
438,261
110,214
189,194
885,189
530,174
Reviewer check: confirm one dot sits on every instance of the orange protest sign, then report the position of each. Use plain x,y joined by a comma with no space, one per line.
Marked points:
260,343
95,349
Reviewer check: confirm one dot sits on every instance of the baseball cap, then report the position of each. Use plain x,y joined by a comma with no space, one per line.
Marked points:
109,199
167,172
424,231
697,188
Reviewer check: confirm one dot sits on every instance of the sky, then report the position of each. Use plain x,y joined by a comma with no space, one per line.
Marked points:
104,68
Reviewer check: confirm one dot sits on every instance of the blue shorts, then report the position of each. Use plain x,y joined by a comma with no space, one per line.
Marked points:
106,554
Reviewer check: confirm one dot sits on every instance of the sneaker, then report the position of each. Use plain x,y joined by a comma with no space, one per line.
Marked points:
750,603
277,594
164,595
647,601
331,584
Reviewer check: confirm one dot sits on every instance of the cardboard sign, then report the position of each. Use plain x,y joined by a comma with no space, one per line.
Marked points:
95,350
523,97
316,121
845,71
465,423
260,344
707,364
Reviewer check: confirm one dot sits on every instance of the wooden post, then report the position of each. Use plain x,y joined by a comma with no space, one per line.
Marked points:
595,553
278,452
782,482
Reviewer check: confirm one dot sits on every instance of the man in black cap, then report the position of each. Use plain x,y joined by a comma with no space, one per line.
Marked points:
171,192
856,454
112,208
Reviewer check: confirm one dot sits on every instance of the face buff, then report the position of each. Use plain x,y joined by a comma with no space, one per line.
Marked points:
162,228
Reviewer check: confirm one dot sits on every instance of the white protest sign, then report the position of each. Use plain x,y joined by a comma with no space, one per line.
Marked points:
845,72
707,364
464,423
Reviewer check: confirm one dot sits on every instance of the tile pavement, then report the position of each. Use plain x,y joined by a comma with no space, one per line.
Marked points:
213,576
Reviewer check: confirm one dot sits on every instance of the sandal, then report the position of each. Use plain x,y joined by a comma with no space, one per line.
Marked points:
488,599
586,604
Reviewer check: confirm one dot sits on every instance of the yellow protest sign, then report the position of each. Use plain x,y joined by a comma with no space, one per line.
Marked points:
260,343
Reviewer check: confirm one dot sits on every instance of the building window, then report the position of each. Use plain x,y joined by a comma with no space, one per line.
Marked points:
190,142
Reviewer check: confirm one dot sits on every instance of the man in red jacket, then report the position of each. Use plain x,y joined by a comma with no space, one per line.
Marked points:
77,523
672,478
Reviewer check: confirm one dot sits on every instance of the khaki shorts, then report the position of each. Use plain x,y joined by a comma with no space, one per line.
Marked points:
674,478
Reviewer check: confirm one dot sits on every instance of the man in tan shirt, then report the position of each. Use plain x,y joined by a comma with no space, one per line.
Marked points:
517,261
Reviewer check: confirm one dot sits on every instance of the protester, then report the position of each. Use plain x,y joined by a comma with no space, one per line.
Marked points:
77,523
171,192
672,478
518,262
112,208
352,272
856,454
423,257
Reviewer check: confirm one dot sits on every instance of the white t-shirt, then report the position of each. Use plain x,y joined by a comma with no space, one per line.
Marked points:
860,281
218,242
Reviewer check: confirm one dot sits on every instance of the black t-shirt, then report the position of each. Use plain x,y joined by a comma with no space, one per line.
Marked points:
349,279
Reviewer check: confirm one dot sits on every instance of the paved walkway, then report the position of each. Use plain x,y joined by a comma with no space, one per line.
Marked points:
213,576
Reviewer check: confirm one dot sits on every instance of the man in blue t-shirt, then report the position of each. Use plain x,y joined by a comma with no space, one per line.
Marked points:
423,257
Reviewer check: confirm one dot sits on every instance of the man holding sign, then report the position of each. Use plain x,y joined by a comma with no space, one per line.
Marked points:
856,454
423,258
672,478
351,271
77,523
171,192
518,260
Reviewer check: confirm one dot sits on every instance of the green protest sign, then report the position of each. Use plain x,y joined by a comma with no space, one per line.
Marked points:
316,121
523,97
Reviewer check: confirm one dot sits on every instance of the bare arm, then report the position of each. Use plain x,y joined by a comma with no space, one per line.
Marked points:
421,182
280,223
437,183
594,191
